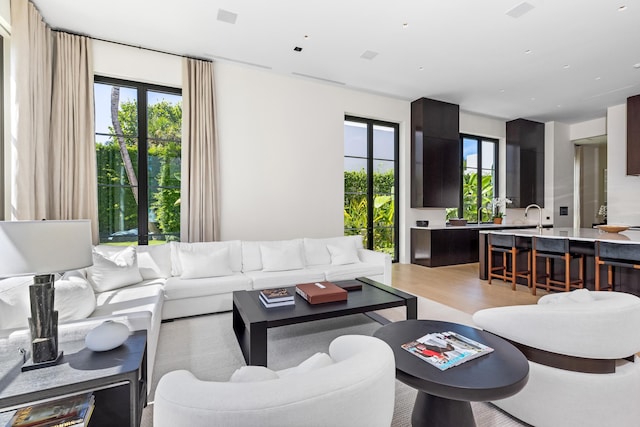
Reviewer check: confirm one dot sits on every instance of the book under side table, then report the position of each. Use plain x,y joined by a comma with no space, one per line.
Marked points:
251,319
117,378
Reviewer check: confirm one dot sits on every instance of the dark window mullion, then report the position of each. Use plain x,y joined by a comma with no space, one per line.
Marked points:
370,189
143,190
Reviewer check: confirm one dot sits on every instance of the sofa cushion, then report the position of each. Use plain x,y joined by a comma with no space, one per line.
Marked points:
341,255
14,302
113,267
145,296
251,373
197,265
282,257
335,273
74,299
275,279
252,254
574,297
316,252
154,261
234,247
177,288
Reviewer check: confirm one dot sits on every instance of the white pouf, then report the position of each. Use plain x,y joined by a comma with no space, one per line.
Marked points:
107,336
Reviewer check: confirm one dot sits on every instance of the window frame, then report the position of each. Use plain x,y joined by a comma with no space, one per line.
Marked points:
370,123
142,89
496,191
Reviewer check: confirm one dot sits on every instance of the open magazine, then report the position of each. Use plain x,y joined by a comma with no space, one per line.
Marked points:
446,349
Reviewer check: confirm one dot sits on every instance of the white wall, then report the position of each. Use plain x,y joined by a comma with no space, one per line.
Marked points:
282,150
623,203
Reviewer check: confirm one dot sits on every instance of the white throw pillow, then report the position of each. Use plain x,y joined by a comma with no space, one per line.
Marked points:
253,374
113,270
14,302
196,265
317,361
154,261
74,299
282,257
574,297
341,255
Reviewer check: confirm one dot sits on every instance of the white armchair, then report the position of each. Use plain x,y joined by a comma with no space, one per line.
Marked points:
575,330
357,389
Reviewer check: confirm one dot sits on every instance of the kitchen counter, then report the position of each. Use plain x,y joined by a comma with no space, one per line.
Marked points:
576,234
450,245
483,226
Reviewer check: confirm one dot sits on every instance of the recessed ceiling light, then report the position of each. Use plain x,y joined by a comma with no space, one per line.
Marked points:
636,66
306,36
421,68
598,78
622,8
297,49
528,51
533,99
501,90
565,66
405,25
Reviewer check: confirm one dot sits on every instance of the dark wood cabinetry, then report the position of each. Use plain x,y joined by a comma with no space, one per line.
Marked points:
525,163
435,154
438,247
633,135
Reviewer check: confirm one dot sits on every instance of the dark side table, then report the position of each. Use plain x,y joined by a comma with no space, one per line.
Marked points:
117,378
444,396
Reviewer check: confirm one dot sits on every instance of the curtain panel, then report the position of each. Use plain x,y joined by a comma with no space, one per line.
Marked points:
199,213
31,75
52,138
73,190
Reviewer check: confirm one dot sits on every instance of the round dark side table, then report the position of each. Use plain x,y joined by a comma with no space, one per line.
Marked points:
444,396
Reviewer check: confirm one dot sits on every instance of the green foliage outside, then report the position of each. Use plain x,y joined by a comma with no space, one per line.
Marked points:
355,208
470,197
117,206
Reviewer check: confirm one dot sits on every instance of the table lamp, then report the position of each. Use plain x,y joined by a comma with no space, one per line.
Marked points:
42,248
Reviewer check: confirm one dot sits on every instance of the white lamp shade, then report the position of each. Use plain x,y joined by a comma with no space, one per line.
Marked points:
42,247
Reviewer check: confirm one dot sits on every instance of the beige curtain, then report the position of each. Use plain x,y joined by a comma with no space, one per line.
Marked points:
31,73
73,172
199,214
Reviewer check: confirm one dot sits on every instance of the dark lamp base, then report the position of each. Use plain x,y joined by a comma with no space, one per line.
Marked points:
30,365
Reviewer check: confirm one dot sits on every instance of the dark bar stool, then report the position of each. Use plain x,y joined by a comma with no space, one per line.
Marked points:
551,249
510,247
615,255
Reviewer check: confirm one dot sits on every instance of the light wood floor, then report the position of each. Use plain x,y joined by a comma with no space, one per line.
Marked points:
458,286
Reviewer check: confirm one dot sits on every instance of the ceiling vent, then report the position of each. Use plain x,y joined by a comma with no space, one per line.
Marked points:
519,10
226,16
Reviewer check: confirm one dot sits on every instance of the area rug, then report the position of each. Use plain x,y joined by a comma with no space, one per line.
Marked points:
206,346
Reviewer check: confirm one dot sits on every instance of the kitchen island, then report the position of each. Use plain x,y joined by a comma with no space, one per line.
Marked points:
583,240
437,246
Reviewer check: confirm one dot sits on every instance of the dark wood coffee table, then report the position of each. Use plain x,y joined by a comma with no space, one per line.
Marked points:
444,396
251,319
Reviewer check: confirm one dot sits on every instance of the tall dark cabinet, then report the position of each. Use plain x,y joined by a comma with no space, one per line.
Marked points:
435,154
525,163
633,135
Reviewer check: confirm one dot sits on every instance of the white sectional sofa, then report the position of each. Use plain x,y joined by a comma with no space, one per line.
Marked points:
144,285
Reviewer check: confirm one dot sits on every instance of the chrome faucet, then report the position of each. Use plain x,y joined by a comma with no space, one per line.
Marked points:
539,214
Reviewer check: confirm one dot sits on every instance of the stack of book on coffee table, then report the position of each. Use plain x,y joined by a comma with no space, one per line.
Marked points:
276,297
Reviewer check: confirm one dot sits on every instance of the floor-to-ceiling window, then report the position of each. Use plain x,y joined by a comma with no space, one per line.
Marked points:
138,139
479,179
371,183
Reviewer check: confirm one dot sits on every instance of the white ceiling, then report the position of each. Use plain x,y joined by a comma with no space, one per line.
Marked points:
469,52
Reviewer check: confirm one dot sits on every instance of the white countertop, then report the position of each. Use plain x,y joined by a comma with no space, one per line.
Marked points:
474,226
585,234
